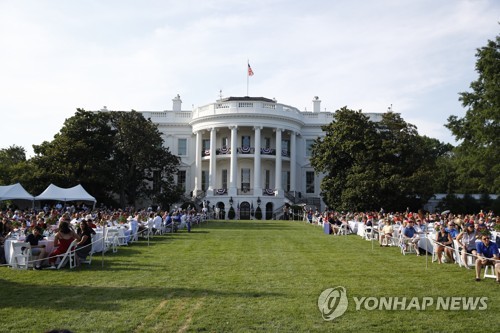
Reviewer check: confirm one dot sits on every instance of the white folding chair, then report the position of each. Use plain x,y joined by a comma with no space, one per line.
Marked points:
343,229
489,272
21,255
68,256
369,233
456,254
405,245
111,240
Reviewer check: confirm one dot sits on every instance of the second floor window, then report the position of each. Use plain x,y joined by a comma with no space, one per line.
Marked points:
182,147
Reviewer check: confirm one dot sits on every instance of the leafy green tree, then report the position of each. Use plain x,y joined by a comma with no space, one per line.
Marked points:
478,154
118,153
12,159
81,153
143,167
369,165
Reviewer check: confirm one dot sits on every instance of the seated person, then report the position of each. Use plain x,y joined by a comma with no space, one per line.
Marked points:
443,242
410,237
37,250
467,241
452,230
487,254
84,246
62,240
386,233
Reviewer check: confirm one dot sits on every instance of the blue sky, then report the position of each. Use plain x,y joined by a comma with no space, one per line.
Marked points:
60,55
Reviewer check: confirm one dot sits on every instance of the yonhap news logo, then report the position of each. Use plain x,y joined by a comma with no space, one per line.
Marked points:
333,303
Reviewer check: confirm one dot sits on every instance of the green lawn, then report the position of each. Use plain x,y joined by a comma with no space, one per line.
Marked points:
242,277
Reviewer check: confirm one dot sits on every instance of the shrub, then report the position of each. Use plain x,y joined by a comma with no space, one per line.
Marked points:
258,214
231,214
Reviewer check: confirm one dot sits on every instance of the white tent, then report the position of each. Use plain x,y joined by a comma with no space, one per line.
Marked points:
76,193
14,192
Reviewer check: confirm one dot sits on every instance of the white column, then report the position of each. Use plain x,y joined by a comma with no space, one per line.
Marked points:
197,174
257,167
293,161
213,159
278,190
234,162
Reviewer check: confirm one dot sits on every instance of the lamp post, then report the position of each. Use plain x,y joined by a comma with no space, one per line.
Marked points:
258,201
231,201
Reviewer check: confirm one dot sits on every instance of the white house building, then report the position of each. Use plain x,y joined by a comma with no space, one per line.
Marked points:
246,152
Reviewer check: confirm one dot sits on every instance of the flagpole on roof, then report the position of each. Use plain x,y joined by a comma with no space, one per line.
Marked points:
249,73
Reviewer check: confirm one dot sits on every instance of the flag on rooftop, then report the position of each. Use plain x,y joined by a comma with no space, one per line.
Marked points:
250,71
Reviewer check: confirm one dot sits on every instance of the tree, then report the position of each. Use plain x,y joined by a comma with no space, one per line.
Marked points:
143,166
369,165
12,159
478,154
81,153
108,153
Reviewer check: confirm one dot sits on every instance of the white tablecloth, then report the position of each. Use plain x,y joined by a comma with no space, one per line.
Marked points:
49,246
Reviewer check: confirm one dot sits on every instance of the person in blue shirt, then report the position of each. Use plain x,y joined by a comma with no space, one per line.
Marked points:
487,254
452,230
410,236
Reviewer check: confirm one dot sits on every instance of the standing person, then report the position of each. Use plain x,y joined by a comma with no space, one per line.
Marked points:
37,250
62,240
487,254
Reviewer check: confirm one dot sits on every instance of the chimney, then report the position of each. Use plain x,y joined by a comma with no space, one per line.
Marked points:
316,104
177,102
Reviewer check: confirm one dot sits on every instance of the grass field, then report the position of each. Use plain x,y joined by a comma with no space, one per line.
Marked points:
242,277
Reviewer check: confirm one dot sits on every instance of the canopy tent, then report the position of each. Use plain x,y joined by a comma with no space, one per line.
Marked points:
12,192
15,193
76,193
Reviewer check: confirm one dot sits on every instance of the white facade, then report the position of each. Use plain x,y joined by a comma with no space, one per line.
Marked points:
252,150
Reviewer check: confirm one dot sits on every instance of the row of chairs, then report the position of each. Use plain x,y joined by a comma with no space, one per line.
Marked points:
22,257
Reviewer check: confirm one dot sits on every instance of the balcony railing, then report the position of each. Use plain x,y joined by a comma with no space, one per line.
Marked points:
223,151
268,191
268,151
246,150
220,191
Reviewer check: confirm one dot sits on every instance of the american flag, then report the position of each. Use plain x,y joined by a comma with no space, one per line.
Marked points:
250,71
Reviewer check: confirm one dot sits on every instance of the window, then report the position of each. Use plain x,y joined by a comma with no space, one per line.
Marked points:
285,180
204,180
225,142
224,179
205,143
309,143
245,141
267,143
181,180
245,180
182,147
285,145
309,181
267,180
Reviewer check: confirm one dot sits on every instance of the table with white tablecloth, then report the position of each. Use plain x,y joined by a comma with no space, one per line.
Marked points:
97,239
427,242
49,246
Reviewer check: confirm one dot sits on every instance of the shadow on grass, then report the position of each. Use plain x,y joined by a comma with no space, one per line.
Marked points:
57,297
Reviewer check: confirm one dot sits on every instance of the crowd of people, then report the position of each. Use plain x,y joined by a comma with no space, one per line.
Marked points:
471,233
66,224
